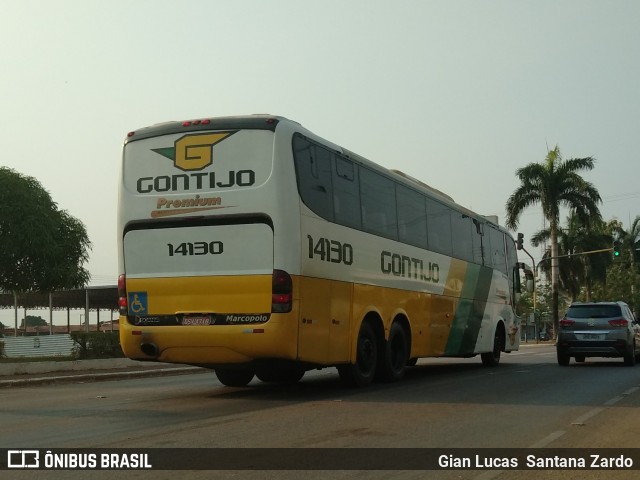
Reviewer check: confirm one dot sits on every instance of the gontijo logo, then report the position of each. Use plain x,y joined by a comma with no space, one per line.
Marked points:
193,152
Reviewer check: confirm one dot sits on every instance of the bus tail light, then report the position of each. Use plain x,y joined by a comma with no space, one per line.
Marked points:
122,295
281,292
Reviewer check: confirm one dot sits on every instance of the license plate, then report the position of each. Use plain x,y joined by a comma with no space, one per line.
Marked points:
591,336
197,320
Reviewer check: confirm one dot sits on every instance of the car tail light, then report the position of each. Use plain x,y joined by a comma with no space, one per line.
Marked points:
281,292
618,322
122,295
565,322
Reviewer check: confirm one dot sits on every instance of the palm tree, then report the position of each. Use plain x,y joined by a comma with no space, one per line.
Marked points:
555,183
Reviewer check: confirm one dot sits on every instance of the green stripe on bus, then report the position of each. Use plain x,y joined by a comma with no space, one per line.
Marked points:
469,311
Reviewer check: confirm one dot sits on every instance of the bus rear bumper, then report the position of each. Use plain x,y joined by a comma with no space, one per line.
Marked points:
207,345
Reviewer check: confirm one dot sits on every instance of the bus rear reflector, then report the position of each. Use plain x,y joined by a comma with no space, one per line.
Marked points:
122,295
281,292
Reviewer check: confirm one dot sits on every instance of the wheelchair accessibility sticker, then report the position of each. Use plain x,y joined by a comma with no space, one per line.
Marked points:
138,303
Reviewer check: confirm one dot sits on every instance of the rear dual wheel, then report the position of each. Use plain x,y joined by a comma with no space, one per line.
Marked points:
386,361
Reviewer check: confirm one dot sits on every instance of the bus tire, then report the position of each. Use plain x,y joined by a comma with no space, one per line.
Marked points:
234,377
363,371
395,355
492,358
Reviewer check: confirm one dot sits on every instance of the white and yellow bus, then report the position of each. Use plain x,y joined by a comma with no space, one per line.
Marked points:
254,247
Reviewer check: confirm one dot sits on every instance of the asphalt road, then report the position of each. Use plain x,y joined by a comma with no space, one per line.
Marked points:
528,401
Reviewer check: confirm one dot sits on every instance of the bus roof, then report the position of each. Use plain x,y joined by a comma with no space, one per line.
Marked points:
270,122
251,122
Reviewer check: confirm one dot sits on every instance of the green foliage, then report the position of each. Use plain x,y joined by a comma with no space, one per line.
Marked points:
96,345
578,272
623,283
597,277
43,248
33,321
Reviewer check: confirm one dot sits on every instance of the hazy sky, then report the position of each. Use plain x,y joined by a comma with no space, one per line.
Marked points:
458,94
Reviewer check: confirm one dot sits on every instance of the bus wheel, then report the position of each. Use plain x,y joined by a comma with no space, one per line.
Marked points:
363,371
491,359
234,377
290,375
396,354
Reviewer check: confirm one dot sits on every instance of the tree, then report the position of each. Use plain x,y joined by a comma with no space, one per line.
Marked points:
630,239
43,248
577,273
33,321
553,184
626,272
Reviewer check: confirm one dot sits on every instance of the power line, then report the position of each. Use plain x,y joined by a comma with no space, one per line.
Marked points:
620,197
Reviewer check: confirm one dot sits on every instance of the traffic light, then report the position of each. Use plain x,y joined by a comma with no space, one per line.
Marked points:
616,249
520,241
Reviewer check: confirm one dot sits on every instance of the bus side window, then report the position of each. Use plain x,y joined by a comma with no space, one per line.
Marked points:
313,172
512,260
482,244
412,217
463,230
498,255
439,221
378,196
346,193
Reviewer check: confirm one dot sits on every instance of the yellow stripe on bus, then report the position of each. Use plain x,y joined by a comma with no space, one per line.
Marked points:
206,294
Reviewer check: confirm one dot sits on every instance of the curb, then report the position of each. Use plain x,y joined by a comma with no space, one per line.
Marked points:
37,373
97,376
30,368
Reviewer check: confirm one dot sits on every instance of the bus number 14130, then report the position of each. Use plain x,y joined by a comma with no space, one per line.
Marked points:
330,250
196,248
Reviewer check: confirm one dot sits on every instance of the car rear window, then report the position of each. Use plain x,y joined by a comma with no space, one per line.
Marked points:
594,311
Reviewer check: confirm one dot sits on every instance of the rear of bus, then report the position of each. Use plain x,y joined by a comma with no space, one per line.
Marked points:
202,281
